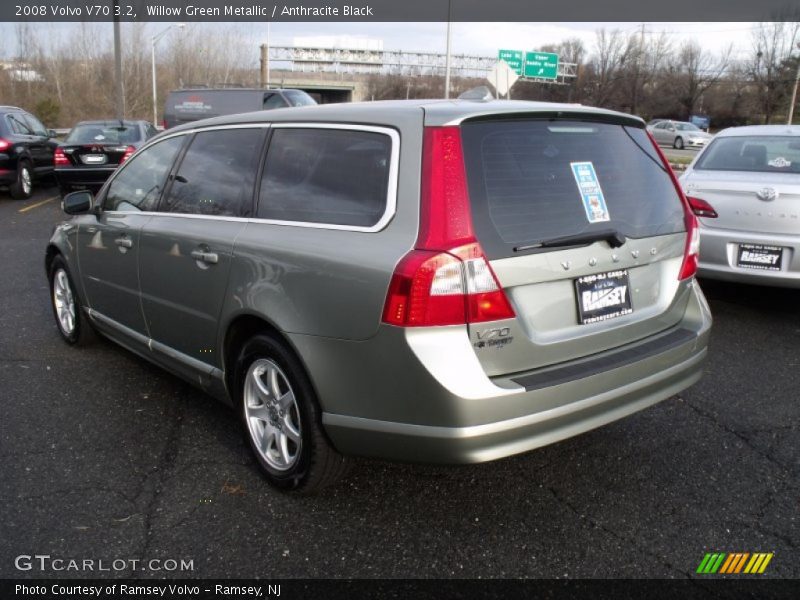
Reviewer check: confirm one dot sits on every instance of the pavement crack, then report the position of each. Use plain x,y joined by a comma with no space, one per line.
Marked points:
618,536
741,436
159,476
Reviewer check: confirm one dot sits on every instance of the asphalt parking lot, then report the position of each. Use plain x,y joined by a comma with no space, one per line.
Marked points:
104,456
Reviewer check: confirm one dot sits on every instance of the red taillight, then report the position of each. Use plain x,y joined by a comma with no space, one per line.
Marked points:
4,145
701,208
60,159
128,152
446,279
691,253
163,124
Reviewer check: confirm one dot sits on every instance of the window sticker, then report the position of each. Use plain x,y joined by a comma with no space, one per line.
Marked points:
780,163
589,187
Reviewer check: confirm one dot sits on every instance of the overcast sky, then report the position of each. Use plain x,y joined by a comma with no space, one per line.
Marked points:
468,38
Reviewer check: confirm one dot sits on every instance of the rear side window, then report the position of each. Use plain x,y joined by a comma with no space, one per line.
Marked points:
138,185
764,154
18,125
535,180
328,176
217,174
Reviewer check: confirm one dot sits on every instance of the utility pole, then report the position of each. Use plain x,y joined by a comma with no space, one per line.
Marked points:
120,92
447,57
264,65
794,91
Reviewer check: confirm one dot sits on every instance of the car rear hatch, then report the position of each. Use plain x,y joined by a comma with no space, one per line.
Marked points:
585,231
552,239
751,183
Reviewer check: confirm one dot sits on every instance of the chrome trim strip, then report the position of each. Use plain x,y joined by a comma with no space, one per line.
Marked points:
391,193
155,346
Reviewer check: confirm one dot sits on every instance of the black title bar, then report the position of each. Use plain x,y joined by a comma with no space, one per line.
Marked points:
397,10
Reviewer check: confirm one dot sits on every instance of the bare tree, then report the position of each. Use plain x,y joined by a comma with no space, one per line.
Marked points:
692,71
772,45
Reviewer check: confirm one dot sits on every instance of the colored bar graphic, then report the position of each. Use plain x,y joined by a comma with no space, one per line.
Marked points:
734,563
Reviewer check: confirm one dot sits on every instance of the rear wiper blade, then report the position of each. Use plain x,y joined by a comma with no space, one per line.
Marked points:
614,238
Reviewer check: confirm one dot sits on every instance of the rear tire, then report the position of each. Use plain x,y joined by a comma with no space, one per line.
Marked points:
72,323
282,420
22,188
678,144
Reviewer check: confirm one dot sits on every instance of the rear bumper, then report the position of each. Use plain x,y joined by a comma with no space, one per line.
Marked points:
93,177
8,170
719,251
438,406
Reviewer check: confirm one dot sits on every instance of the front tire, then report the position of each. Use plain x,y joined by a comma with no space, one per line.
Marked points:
72,323
282,420
22,188
678,143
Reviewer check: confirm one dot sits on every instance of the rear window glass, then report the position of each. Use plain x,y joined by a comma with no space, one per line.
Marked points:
298,98
535,180
104,134
764,154
331,176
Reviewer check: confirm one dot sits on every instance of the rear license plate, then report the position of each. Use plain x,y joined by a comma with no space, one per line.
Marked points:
603,296
757,256
94,159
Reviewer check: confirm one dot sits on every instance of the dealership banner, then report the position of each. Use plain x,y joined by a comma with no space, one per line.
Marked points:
396,10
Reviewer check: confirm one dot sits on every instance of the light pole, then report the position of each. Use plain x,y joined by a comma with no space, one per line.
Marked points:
794,90
154,41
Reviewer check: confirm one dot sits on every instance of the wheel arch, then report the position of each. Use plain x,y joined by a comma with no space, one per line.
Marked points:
241,328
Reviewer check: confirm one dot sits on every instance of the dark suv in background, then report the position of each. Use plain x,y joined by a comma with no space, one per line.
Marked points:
26,151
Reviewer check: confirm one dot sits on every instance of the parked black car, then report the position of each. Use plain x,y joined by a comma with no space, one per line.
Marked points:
93,149
185,106
26,151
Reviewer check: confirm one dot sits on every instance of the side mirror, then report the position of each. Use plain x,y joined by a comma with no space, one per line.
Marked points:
78,203
51,133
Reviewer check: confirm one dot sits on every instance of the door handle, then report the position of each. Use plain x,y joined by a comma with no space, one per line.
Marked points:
210,258
124,242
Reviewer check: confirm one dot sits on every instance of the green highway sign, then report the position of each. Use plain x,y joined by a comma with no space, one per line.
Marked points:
541,65
513,58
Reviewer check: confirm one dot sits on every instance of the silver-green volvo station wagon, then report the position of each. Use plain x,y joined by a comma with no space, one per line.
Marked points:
435,281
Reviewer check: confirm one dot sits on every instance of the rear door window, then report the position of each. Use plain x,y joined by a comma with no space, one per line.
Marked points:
217,174
327,176
536,180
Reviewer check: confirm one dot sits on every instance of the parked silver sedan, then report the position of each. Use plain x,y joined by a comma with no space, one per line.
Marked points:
745,189
679,134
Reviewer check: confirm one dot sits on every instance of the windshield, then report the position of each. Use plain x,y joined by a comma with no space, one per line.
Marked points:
763,154
298,98
103,134
686,127
535,180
